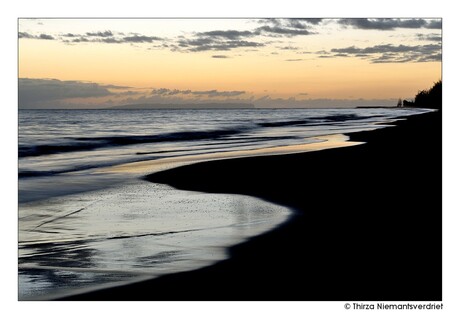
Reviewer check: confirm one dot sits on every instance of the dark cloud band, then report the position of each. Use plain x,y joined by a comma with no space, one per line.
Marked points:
388,53
42,91
100,37
214,44
390,24
25,35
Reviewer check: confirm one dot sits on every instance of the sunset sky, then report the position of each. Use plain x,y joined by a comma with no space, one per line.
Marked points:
99,63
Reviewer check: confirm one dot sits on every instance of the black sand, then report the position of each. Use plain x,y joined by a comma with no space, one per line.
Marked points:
369,224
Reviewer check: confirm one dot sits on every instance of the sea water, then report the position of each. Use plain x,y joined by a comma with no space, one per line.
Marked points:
83,226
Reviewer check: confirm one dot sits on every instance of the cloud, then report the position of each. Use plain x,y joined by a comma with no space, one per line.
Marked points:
209,93
123,94
114,40
293,60
282,31
52,93
103,34
286,27
220,56
140,39
225,40
100,37
46,37
176,96
108,40
128,39
314,21
164,91
25,35
39,92
434,24
80,39
298,23
116,87
213,44
385,48
227,34
288,47
431,58
328,55
390,24
215,93
389,53
302,23
160,91
430,37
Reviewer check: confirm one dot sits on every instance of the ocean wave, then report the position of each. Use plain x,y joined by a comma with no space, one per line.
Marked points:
91,143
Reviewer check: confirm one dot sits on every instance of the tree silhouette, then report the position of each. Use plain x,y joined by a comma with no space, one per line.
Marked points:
431,98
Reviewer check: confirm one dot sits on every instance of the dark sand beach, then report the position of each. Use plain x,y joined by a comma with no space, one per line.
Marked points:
368,225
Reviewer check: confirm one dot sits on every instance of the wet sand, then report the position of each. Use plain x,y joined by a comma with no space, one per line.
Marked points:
368,225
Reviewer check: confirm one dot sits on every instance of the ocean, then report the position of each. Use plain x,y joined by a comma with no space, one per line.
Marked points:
88,220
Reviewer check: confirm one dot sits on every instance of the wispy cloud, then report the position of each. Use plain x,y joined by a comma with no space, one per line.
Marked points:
107,36
225,40
297,23
286,27
288,47
140,39
390,24
215,93
102,34
70,35
42,36
163,91
220,56
385,48
227,34
430,37
389,53
208,93
211,43
314,21
277,31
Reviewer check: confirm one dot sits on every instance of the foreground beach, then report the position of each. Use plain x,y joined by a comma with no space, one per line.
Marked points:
368,227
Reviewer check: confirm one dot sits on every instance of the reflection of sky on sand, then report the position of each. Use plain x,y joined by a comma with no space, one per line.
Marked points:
128,232
313,144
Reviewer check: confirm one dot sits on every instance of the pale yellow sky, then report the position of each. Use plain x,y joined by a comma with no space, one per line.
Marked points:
281,58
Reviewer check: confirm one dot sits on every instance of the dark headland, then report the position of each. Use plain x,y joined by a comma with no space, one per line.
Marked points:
368,225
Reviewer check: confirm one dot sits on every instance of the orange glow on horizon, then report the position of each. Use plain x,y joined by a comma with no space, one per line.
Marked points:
285,74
